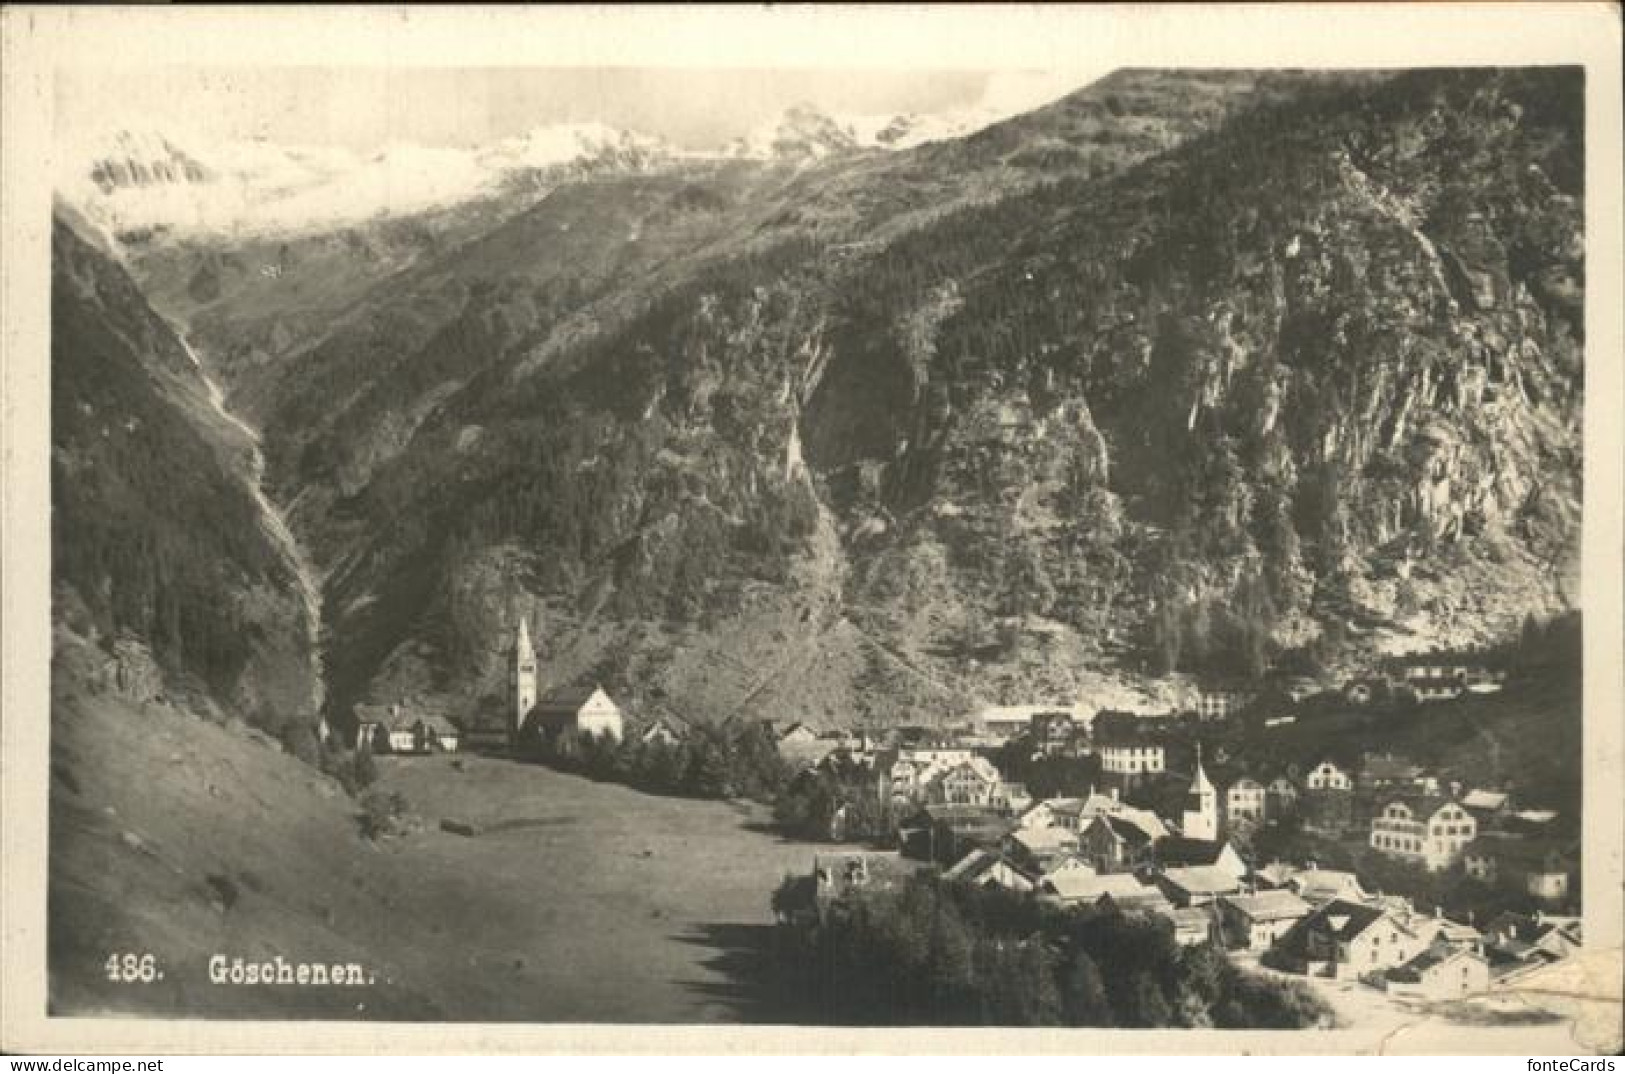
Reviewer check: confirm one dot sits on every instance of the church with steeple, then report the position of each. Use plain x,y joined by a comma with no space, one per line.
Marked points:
583,710
1201,819
522,676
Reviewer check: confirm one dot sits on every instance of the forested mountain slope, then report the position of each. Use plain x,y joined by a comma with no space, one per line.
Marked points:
1290,368
161,552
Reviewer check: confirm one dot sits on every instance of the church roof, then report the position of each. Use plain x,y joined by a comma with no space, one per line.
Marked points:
566,699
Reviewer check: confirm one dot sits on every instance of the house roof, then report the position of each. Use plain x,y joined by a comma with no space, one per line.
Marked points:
1045,840
978,863
1201,879
1101,805
1121,828
1435,956
404,718
1066,861
1076,885
1344,919
1488,800
1278,872
1455,931
1269,906
1183,851
570,699
1128,828
1126,729
1423,805
1148,899
1531,928
1316,884
968,820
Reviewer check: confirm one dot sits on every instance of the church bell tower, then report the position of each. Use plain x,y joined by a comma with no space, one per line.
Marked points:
1201,820
524,676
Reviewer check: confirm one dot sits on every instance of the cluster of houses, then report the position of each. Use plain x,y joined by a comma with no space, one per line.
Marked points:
1416,677
1397,808
1098,851
1101,850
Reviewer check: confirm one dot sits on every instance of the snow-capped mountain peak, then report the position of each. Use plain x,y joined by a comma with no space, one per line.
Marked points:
126,179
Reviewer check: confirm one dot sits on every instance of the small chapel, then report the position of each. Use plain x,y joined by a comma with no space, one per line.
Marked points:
562,709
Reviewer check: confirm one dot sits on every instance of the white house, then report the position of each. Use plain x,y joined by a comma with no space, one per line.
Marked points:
1255,922
1245,802
398,729
1132,758
1347,940
1326,776
1431,831
1441,972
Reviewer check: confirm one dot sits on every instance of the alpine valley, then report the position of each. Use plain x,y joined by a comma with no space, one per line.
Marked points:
852,423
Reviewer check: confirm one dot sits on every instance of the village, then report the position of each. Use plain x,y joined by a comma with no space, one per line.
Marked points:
1364,868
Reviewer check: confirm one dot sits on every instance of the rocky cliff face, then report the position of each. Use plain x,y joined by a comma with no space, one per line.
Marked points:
1188,372
161,552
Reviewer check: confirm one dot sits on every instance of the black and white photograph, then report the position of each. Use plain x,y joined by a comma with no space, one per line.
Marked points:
811,544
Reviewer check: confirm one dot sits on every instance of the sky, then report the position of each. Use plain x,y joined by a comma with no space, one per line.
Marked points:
364,109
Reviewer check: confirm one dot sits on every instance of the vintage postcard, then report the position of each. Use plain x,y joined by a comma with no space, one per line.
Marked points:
813,529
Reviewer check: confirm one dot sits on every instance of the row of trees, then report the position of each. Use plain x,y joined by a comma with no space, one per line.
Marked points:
840,801
735,759
1046,776
933,953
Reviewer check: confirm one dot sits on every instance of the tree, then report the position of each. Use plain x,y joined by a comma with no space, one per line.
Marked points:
1084,1001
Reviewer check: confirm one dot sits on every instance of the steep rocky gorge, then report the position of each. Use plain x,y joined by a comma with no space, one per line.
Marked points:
166,552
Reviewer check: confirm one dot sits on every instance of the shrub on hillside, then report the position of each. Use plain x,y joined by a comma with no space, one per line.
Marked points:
382,814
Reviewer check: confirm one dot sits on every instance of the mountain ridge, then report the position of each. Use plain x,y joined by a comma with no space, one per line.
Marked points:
1136,386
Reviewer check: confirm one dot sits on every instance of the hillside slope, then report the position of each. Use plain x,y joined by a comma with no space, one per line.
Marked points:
163,552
